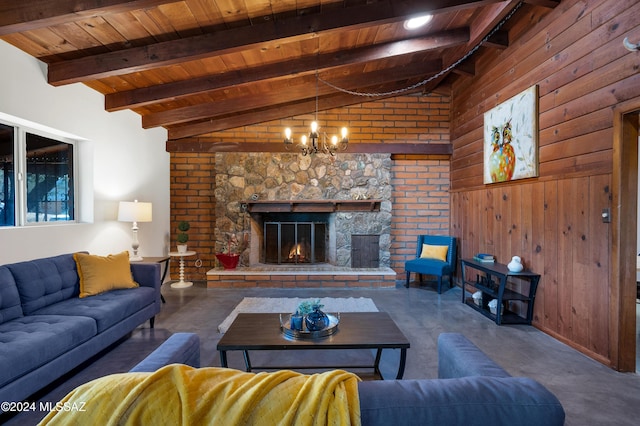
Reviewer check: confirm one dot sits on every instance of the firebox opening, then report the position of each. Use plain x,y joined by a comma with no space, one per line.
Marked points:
295,239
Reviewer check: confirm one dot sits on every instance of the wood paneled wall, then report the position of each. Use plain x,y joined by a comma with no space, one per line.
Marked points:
576,57
556,228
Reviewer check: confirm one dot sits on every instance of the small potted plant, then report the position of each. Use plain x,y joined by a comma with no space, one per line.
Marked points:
183,237
228,258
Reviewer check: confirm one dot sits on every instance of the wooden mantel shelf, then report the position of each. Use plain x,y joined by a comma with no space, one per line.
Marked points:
313,206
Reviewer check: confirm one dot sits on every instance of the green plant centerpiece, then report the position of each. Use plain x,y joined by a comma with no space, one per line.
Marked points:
183,237
314,318
307,306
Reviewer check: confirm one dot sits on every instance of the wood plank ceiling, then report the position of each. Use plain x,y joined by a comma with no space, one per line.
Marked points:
196,67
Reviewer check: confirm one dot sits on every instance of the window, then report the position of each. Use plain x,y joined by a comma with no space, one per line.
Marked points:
36,177
7,175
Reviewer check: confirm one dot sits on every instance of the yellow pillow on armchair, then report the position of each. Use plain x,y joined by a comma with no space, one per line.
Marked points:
103,273
434,252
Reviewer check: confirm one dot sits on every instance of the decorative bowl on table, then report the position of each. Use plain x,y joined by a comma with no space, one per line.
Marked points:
305,333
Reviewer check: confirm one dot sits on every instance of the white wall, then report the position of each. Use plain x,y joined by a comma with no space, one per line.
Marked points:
124,162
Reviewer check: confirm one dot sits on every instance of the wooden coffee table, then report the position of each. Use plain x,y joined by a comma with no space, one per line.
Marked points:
357,330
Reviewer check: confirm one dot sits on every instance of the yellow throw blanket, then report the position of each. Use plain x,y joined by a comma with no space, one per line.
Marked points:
181,395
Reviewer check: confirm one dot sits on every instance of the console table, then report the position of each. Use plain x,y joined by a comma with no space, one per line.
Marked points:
493,282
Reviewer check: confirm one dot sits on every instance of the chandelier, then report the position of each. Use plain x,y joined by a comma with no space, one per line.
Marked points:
318,141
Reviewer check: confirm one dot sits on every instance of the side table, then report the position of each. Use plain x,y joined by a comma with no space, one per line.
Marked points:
181,283
161,260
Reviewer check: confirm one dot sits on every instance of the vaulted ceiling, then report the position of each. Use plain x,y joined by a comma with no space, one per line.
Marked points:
201,66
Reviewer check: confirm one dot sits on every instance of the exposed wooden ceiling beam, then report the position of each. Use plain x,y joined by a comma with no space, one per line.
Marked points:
544,3
276,112
499,40
296,89
486,21
489,18
242,38
26,15
171,91
211,145
443,89
258,116
466,68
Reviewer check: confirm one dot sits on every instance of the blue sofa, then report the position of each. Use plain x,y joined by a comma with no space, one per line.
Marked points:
46,330
471,389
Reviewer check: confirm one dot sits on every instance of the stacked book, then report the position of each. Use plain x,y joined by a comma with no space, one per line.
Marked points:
484,257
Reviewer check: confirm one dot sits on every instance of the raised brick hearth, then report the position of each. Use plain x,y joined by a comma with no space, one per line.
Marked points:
295,276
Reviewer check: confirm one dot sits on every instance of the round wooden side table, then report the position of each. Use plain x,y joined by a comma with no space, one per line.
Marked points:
181,283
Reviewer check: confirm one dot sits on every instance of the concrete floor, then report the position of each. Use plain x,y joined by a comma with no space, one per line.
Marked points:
591,393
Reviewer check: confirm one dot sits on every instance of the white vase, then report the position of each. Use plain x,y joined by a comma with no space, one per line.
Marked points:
516,264
182,248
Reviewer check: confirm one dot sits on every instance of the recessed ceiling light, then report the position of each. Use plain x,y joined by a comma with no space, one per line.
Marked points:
417,22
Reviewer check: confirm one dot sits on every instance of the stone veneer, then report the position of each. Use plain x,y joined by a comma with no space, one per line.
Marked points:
245,177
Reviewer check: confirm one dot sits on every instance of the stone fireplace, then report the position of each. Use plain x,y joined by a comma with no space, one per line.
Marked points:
301,210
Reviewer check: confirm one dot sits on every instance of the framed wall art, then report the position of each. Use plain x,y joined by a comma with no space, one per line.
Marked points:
511,138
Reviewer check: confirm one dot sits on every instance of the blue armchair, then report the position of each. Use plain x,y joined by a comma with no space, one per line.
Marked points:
432,266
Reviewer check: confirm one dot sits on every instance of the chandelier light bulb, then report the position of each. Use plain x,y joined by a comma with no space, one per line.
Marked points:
314,142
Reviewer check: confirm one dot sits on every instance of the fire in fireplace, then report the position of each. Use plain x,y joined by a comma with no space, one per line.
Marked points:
295,242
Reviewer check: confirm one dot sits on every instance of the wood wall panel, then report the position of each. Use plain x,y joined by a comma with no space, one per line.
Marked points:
576,57
578,61
601,241
565,256
580,265
537,238
550,249
557,230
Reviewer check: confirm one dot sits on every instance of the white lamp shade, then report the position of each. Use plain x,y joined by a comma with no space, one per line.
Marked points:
134,211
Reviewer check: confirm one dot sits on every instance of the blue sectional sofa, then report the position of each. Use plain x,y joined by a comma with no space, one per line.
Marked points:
471,389
46,329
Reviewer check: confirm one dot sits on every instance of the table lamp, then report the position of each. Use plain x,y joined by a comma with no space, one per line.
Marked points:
134,211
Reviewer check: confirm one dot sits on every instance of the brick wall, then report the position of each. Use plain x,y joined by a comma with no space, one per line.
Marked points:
420,204
192,199
421,183
410,119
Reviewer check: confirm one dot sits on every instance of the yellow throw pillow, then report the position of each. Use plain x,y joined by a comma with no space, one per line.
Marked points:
434,252
99,273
